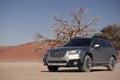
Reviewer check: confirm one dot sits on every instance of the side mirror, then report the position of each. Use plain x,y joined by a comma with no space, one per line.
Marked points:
97,45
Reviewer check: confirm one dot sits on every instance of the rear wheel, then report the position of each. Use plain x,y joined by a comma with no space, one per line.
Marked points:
52,68
87,64
111,65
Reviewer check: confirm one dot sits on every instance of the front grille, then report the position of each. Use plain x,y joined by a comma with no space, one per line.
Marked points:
62,61
57,54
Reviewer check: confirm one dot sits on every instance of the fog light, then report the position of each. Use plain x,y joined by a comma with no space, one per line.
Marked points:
75,62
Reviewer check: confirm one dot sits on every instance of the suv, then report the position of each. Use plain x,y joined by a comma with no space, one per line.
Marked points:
83,53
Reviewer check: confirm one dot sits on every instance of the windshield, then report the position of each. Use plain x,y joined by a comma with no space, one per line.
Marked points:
78,42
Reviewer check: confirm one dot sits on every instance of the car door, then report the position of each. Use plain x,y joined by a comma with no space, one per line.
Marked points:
98,52
109,51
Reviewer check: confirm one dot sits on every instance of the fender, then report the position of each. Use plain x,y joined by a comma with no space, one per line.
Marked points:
82,54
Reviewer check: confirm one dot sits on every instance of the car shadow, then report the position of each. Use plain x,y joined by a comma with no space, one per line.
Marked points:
76,70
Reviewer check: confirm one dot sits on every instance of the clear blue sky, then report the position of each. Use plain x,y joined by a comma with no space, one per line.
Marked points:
19,19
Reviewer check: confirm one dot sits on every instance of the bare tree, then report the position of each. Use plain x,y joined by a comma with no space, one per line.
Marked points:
76,26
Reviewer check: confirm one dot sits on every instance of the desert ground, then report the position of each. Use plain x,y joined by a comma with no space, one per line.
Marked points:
36,71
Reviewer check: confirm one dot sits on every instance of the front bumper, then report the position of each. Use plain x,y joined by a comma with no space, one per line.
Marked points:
63,63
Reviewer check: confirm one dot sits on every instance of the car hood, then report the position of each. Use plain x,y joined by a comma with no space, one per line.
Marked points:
70,48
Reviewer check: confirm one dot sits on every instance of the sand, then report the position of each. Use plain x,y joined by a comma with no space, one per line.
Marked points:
36,71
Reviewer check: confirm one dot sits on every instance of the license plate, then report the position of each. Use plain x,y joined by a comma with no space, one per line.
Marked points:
57,64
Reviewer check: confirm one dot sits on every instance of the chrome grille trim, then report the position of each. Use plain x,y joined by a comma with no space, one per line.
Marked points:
57,53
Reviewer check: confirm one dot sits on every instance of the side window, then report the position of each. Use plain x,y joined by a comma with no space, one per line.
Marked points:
95,41
101,42
108,44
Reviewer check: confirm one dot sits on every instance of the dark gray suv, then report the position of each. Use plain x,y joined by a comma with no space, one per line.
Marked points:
83,53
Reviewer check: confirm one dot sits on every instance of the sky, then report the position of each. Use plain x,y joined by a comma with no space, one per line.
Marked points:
20,19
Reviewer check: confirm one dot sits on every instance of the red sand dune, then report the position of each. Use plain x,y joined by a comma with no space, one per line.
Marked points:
4,48
23,52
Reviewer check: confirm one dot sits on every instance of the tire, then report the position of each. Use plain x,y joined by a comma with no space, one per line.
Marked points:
87,64
111,65
52,68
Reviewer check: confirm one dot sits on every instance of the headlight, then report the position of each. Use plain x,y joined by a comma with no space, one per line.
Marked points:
73,52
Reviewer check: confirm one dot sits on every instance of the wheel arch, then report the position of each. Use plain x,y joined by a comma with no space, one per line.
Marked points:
82,56
89,54
115,57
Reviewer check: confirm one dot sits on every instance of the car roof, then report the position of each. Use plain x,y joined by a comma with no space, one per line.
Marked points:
89,38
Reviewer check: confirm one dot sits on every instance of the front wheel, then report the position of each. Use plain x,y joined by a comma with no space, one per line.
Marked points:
111,65
87,64
52,68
